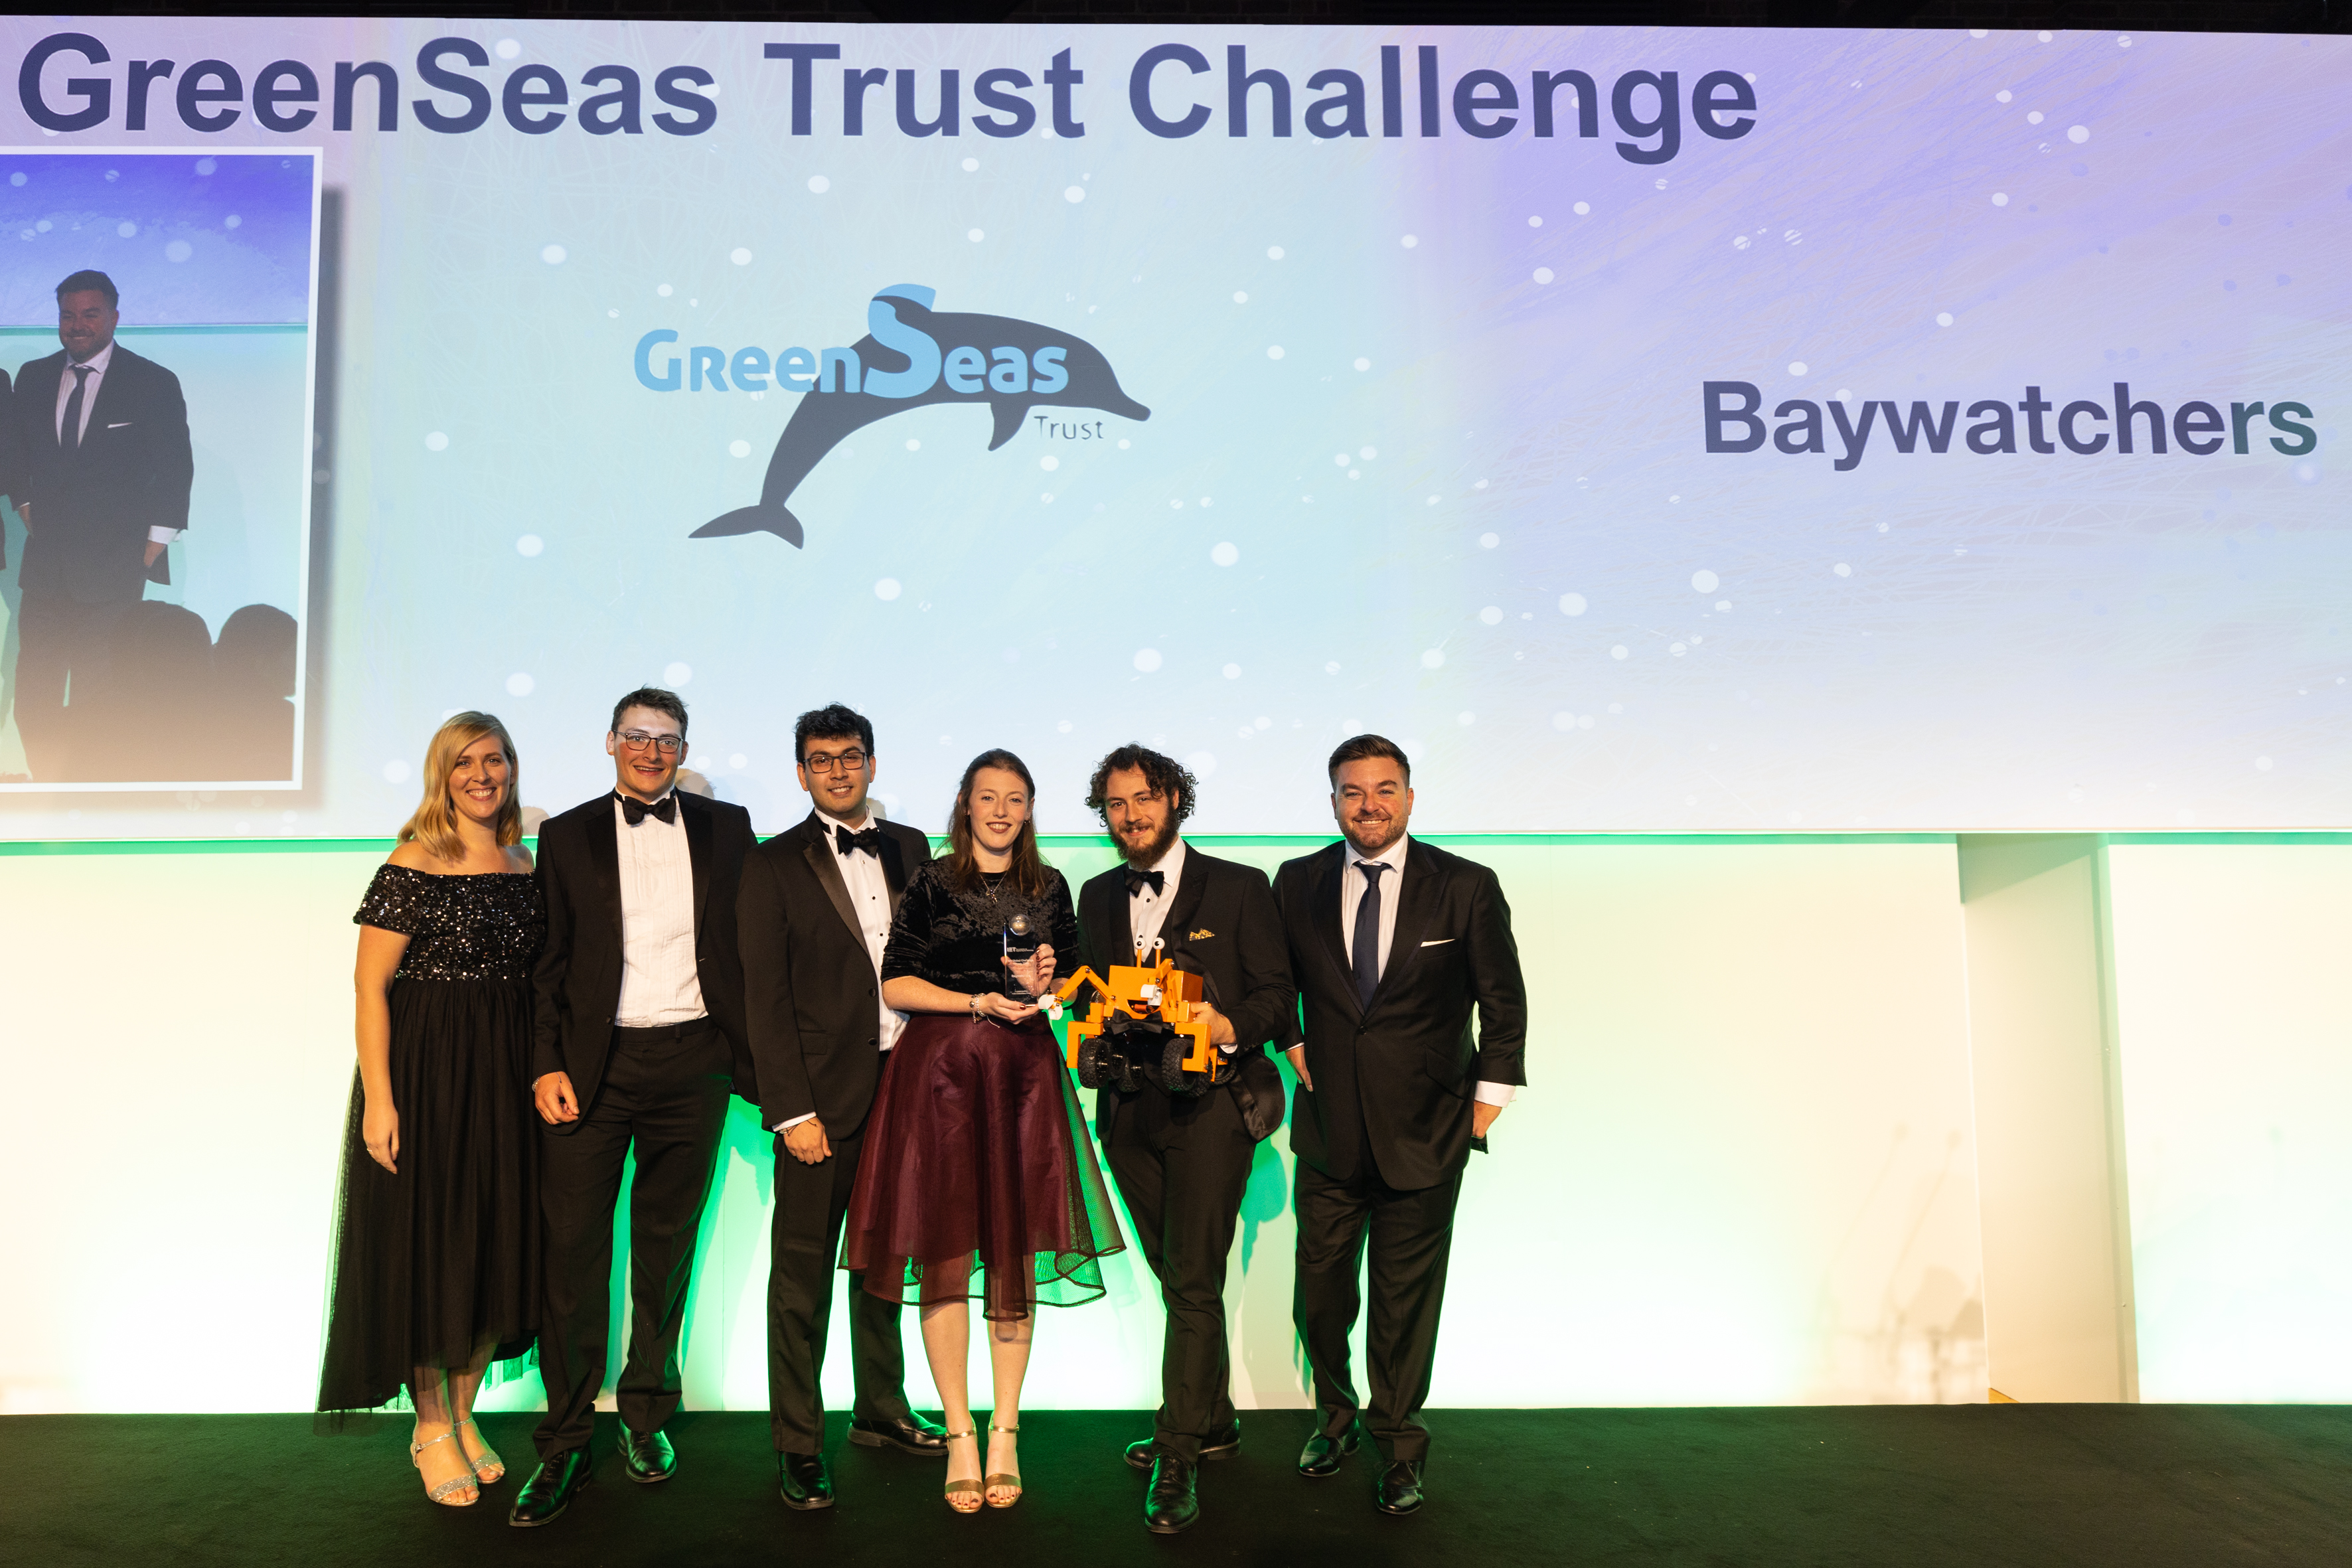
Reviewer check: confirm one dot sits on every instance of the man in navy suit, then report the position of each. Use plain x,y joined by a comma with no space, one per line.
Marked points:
1394,943
100,465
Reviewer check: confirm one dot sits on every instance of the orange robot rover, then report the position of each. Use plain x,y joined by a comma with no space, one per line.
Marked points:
1144,1024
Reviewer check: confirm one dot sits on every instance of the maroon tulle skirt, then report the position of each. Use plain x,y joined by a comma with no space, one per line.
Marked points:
978,1178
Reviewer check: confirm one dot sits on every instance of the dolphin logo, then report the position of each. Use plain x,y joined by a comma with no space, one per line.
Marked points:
912,356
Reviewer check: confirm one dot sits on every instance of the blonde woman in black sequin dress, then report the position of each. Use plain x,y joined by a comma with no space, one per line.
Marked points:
437,1263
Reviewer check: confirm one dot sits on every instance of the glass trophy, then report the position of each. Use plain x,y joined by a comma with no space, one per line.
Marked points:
1020,946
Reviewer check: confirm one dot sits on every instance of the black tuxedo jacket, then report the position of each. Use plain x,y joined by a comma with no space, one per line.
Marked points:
92,507
1394,1082
579,973
813,1005
1223,924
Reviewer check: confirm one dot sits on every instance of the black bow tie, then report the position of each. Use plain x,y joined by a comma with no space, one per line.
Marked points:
634,811
868,839
1138,880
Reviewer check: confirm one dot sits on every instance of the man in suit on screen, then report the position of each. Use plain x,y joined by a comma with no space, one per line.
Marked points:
1394,943
812,920
100,465
1183,1159
638,1038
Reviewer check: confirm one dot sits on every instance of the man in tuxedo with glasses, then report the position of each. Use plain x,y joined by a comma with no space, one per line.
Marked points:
815,913
1394,943
638,1035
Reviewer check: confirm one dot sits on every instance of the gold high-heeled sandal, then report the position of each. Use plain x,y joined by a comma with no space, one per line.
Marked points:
490,1469
446,1492
1004,1478
962,1488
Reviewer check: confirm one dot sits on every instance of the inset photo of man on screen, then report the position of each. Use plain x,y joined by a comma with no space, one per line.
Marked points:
155,363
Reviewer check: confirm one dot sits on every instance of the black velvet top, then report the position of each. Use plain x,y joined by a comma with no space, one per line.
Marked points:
486,927
956,940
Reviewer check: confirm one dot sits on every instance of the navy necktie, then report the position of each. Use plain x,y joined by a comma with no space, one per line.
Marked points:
69,437
1368,932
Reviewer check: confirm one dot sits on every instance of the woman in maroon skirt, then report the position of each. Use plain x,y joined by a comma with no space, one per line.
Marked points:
978,1179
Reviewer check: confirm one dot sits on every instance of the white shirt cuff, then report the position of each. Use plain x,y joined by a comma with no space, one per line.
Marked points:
1496,1093
795,1121
158,534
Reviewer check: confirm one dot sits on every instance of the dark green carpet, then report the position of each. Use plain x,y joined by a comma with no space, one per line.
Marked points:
2005,1484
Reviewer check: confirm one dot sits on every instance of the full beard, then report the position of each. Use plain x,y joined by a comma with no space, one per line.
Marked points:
1144,856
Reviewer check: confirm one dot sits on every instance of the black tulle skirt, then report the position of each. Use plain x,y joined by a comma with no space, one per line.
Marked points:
441,1258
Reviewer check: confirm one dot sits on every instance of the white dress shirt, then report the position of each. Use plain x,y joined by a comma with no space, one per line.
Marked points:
869,895
1352,883
1147,911
659,983
98,363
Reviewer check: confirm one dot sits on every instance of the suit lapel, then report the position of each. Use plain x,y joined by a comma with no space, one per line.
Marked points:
604,854
816,845
1187,904
1115,917
1424,887
1327,922
697,818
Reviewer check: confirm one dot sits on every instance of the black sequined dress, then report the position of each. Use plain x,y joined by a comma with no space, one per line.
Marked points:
442,1256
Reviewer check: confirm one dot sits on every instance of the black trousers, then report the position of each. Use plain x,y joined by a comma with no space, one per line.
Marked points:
60,641
804,1251
1411,1236
1182,1164
665,1091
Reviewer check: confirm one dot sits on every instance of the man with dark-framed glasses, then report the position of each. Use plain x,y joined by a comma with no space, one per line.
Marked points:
637,1037
815,913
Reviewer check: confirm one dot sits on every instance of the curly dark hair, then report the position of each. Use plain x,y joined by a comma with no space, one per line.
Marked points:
1166,775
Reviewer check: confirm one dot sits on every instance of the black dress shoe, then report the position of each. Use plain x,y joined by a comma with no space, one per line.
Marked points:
647,1456
1400,1488
1322,1455
802,1481
551,1488
1172,1504
909,1432
1224,1445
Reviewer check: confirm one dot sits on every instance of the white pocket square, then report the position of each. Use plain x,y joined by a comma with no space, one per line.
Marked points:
1441,941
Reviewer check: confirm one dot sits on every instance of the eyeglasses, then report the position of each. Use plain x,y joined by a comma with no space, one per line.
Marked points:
820,762
637,740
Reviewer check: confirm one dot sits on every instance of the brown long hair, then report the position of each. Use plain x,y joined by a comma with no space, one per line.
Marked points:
434,821
1028,868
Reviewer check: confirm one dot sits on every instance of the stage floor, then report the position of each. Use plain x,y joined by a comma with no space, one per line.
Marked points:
2076,1484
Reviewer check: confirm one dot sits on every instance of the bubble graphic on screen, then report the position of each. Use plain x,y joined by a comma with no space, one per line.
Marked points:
1678,649
1943,318
1563,721
1583,208
1543,275
1842,570
1534,222
976,235
16,179
2123,41
521,684
2003,95
2078,134
1488,540
127,230
178,251
2042,37
1233,672
1274,352
1147,659
1573,605
665,291
508,48
2001,198
1433,659
2034,117
818,185
1074,194
395,772
529,545
1977,32
1363,364
1410,241
1703,581
1621,651
1239,298
1492,615
972,165
436,442
738,448
739,256
1723,605
1332,668
1226,553
206,167
1432,500
1049,463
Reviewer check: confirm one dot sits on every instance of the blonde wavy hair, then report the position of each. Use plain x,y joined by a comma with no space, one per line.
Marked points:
435,823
